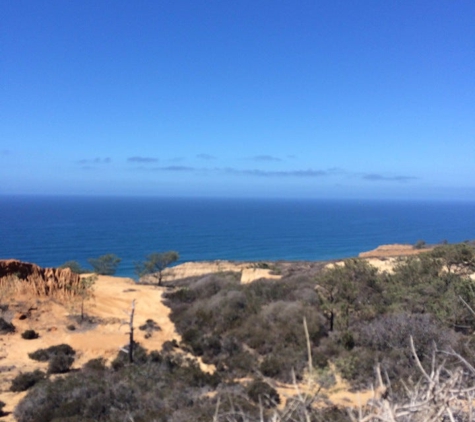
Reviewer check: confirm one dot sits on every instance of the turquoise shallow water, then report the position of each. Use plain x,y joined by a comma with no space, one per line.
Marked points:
52,230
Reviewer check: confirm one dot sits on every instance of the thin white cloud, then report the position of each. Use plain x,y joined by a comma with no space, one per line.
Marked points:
97,160
138,159
376,177
265,158
206,157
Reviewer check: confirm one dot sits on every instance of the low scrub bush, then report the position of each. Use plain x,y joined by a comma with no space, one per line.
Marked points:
40,355
139,355
150,325
29,335
24,381
262,393
162,388
6,327
60,363
44,355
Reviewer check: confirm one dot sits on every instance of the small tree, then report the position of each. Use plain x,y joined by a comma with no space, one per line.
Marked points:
105,264
155,264
74,266
85,291
420,244
346,289
80,293
457,259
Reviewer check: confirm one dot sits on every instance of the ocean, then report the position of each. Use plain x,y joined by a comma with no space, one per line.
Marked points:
52,230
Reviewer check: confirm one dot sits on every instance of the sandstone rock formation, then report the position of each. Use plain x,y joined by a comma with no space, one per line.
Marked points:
248,271
41,281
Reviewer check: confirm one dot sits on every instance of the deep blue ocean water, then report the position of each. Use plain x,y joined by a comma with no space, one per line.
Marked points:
51,230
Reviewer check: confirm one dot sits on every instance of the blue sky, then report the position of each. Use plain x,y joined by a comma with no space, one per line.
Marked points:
307,99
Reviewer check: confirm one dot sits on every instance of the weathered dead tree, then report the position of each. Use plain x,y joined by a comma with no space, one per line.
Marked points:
130,348
131,333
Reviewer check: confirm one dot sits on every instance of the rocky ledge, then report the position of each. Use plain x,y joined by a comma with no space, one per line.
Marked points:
43,281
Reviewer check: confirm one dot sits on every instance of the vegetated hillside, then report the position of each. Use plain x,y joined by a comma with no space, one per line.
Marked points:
254,335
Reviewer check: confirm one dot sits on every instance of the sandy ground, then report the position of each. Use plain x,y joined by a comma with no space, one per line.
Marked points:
111,305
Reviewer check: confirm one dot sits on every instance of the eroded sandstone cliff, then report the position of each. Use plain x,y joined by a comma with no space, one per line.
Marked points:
42,281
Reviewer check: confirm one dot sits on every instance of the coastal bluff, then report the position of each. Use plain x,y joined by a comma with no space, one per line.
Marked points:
394,250
249,271
42,281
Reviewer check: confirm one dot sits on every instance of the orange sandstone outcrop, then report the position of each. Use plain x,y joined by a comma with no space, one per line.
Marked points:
42,281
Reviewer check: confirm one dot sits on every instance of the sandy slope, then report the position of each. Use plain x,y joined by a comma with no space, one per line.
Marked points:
112,302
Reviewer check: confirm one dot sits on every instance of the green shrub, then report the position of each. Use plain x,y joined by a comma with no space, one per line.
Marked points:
149,327
105,264
24,381
184,295
270,366
163,388
97,364
6,327
43,355
29,335
60,363
139,355
420,244
74,266
262,393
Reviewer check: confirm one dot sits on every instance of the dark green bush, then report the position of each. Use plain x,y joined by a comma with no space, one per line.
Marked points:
24,381
105,264
270,366
43,355
150,325
163,388
97,364
184,295
420,244
262,393
60,363
29,335
6,327
170,345
74,266
139,355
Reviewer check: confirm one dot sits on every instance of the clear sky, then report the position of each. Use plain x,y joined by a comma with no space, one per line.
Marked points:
241,98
